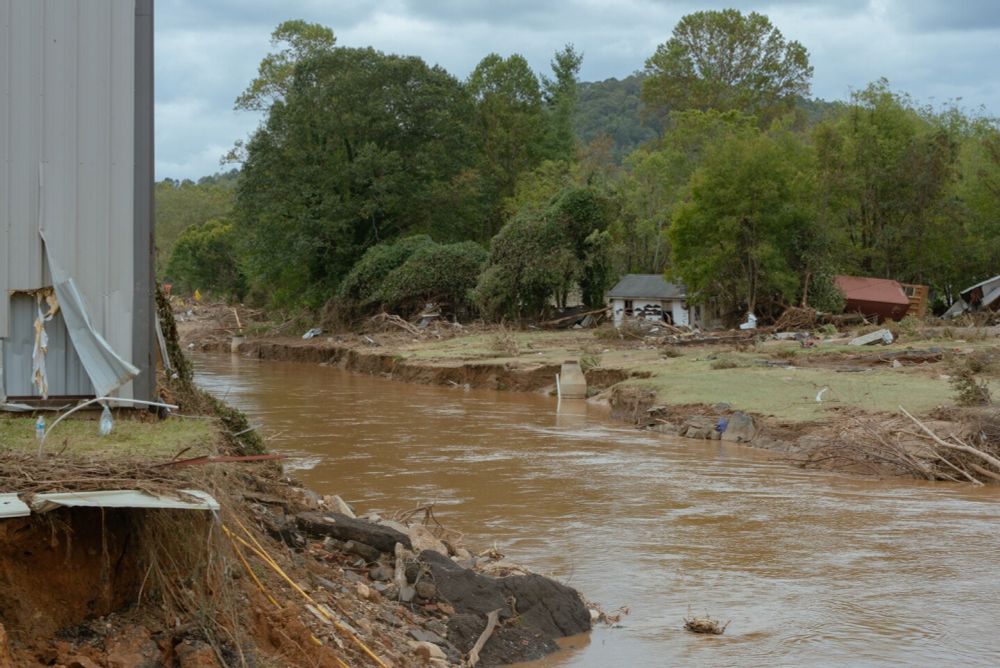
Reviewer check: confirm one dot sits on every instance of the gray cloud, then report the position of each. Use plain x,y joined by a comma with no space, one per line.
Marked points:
207,52
935,15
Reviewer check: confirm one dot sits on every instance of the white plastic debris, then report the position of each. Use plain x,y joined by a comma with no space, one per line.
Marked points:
751,322
106,421
312,333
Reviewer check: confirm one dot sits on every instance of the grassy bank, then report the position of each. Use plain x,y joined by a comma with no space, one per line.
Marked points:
778,379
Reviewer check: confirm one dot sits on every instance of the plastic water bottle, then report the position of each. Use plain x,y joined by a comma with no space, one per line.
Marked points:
40,428
106,421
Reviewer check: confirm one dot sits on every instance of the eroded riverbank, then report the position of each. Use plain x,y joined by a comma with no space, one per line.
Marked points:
813,568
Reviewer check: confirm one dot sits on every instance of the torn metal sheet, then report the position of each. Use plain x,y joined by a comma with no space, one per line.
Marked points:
106,369
39,374
12,506
164,354
124,498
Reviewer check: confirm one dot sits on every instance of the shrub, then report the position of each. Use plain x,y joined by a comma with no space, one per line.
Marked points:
588,362
439,273
969,390
909,326
363,283
829,329
504,341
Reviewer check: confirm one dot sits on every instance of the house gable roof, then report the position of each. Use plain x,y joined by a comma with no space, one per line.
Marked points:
646,286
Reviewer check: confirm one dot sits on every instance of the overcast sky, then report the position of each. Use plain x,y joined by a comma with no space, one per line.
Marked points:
208,50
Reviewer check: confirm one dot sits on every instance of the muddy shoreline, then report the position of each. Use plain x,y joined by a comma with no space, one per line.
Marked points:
632,405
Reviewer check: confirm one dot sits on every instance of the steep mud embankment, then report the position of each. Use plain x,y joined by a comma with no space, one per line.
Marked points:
487,375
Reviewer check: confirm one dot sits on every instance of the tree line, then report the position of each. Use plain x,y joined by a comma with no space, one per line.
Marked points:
378,181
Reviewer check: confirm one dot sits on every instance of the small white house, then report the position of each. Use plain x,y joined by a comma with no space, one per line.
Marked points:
649,296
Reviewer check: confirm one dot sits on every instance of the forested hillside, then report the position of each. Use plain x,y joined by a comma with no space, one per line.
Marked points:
378,181
613,108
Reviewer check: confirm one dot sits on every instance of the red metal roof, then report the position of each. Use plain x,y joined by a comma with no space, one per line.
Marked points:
884,290
881,298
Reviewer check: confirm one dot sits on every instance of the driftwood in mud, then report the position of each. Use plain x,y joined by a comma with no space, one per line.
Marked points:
742,337
573,316
705,625
345,528
384,318
957,444
492,619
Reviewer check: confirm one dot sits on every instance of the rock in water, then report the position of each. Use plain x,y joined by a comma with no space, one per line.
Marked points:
741,428
545,610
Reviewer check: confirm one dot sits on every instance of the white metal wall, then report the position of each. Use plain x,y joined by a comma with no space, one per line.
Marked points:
67,78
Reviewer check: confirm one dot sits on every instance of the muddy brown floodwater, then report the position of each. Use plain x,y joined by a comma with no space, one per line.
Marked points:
813,569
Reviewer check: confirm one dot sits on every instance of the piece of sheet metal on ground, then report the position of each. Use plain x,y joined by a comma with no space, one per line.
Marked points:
124,498
12,506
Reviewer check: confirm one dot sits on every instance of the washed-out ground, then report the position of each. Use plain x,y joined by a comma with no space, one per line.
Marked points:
277,576
761,389
778,379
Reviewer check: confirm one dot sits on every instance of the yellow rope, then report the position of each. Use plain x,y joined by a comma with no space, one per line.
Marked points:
266,558
246,565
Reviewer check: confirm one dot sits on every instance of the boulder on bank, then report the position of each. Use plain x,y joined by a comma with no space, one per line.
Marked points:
544,608
740,429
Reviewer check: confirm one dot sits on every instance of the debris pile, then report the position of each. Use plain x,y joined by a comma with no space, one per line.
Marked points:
963,448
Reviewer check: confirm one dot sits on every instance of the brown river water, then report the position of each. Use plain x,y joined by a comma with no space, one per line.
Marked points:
813,569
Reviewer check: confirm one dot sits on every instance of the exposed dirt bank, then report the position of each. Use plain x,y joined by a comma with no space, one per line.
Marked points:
772,394
268,575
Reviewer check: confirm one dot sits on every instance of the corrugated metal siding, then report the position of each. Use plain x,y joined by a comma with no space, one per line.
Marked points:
62,364
66,102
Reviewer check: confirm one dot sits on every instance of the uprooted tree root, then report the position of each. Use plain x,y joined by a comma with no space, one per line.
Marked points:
965,449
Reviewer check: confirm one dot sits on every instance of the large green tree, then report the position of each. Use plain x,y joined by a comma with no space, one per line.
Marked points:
562,92
299,41
510,129
746,236
205,258
364,147
727,60
656,180
182,204
886,171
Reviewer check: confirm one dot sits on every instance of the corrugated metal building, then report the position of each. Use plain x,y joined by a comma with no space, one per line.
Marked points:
76,178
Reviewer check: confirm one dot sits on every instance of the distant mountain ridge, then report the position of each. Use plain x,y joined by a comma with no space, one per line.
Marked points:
614,107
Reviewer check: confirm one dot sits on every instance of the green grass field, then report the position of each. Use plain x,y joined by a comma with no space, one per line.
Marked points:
128,438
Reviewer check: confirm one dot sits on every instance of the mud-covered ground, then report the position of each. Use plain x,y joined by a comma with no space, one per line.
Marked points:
788,396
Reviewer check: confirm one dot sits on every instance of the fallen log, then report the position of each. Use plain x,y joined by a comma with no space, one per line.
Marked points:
342,527
578,316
